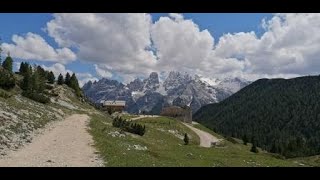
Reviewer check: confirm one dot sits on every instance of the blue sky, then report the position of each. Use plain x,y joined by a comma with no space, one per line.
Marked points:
216,23
92,43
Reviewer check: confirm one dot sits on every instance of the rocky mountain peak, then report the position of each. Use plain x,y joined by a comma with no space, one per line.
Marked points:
152,83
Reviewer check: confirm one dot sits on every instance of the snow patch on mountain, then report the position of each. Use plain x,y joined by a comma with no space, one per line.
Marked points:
178,89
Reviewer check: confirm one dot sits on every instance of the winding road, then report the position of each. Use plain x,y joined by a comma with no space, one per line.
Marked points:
205,138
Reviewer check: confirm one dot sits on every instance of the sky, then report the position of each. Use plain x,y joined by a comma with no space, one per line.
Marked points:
127,46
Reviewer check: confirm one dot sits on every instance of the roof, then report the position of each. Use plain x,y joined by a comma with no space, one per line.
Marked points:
114,103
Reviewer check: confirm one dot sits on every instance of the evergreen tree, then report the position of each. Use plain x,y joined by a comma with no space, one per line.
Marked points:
26,82
7,79
7,63
60,79
186,139
0,53
51,77
74,84
67,80
42,73
22,68
35,82
245,139
254,148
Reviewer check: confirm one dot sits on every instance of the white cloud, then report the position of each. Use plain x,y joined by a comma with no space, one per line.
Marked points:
116,40
130,45
102,72
85,77
176,16
57,68
180,45
34,47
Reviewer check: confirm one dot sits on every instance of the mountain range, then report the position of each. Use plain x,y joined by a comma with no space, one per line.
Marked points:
150,94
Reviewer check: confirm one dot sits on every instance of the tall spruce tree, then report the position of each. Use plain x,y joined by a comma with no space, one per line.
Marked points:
74,84
7,63
0,53
67,80
51,77
60,79
26,82
24,67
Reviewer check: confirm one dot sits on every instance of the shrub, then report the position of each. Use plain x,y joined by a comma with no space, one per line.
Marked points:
36,97
228,138
50,87
129,126
7,79
186,139
254,148
5,94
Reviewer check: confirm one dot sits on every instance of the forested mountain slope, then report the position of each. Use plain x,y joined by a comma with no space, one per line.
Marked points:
280,115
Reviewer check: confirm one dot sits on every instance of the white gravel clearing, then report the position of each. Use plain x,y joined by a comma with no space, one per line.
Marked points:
66,144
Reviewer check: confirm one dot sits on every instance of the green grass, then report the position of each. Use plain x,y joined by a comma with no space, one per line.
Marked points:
165,149
129,116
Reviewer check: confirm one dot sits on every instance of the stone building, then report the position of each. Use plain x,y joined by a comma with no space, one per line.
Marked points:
182,113
113,105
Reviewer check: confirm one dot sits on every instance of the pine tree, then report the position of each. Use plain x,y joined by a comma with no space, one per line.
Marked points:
7,63
74,84
22,68
35,82
186,139
26,82
0,54
51,77
245,139
67,79
254,148
42,73
7,79
60,79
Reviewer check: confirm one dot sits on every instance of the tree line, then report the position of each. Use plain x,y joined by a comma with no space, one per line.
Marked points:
35,80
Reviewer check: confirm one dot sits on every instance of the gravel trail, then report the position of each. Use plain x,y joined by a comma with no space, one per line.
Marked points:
65,144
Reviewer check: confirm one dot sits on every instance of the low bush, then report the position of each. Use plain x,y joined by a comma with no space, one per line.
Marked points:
5,94
7,79
230,139
36,97
49,87
128,126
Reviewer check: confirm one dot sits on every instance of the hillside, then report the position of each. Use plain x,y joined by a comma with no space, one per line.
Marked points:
22,118
162,146
279,115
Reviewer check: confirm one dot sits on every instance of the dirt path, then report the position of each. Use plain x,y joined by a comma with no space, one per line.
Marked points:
144,116
66,143
205,138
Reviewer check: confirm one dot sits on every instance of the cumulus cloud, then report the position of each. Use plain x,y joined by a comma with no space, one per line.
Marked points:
119,41
102,72
34,47
130,45
180,45
85,77
57,68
